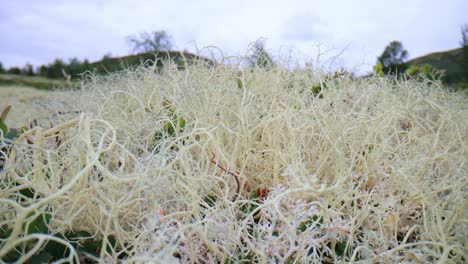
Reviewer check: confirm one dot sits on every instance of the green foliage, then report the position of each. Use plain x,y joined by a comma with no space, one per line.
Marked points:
75,67
243,257
210,199
314,222
14,70
3,117
378,69
106,56
340,248
260,57
54,70
42,70
28,70
239,82
110,65
32,81
170,129
83,242
317,89
392,58
460,85
151,42
37,223
2,70
425,71
393,54
6,133
452,62
58,69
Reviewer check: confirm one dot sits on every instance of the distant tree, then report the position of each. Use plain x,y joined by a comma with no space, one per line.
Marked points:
392,58
260,57
151,42
14,70
107,56
464,44
54,70
74,67
393,54
85,66
28,70
464,32
43,70
2,70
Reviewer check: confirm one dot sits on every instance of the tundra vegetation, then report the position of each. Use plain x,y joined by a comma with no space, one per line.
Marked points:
212,164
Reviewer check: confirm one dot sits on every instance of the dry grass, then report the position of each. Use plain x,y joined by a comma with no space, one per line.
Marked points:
29,103
186,166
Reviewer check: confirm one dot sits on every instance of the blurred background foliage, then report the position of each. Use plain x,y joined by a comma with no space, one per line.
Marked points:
451,66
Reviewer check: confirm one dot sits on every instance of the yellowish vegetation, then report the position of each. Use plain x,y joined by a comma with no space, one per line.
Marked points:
210,165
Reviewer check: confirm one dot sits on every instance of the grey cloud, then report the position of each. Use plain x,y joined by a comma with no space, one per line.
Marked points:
305,27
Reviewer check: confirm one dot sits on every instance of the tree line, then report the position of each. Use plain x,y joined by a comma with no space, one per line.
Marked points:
146,42
53,70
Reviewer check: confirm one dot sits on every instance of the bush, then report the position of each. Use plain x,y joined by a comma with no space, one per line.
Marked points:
14,70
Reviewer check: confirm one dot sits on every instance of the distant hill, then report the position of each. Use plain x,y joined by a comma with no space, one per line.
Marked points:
108,65
53,76
454,62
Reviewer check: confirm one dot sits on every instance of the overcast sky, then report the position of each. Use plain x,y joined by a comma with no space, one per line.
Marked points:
357,30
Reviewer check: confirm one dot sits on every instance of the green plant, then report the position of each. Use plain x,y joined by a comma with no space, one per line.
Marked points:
378,69
171,128
6,135
424,72
83,242
3,117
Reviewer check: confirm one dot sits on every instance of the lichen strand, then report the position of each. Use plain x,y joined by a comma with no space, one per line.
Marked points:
209,165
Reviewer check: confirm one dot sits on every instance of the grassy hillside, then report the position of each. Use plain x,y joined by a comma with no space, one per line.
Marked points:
180,58
31,81
453,62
